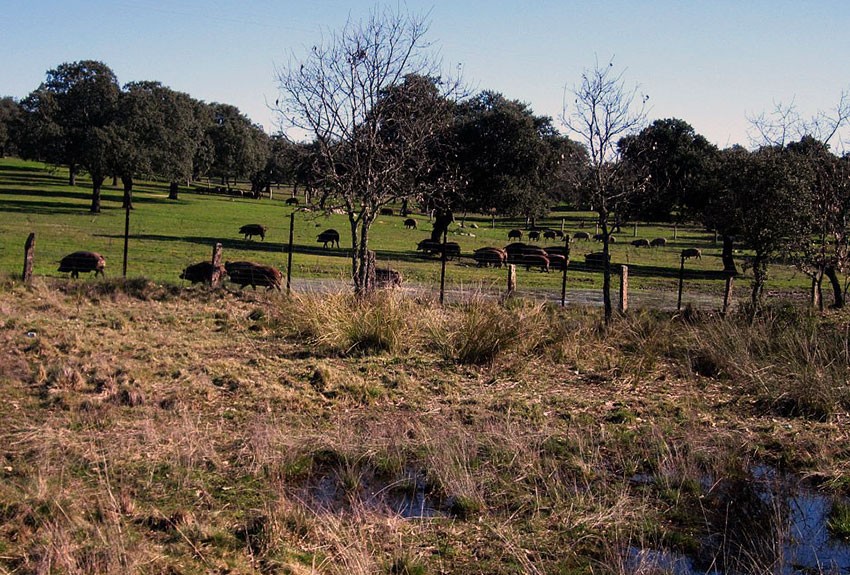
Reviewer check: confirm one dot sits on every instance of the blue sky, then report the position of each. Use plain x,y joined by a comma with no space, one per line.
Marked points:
710,63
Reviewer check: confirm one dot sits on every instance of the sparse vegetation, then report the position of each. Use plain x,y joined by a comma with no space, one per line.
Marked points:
151,429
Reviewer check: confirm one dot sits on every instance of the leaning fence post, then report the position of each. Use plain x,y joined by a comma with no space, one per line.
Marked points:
511,280
215,276
29,253
727,294
624,289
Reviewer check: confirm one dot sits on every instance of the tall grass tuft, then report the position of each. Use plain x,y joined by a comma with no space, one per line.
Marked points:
347,324
478,331
792,363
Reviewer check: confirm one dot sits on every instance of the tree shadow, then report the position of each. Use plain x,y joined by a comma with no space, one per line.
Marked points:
274,247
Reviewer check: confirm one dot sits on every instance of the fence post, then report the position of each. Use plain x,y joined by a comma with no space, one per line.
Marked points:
443,267
29,254
562,225
681,283
566,265
634,232
215,277
126,238
727,295
289,254
675,231
624,288
511,280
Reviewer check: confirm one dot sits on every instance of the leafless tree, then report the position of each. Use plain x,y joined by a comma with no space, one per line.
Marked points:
370,97
785,124
602,110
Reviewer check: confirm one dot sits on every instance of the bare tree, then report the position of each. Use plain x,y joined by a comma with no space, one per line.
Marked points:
785,124
371,99
604,110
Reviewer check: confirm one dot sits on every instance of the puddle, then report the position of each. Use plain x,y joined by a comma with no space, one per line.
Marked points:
779,526
409,497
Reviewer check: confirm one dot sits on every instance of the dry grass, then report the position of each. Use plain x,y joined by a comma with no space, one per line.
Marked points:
160,431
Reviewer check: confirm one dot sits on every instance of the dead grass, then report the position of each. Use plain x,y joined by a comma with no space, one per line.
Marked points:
152,430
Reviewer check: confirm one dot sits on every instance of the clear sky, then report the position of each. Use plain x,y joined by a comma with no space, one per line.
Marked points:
711,63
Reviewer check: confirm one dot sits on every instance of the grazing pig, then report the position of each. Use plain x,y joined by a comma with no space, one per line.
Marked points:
641,243
386,211
83,262
452,250
534,235
536,260
251,230
688,253
581,236
387,277
496,257
658,243
293,201
550,234
428,246
515,235
410,224
200,272
596,258
329,236
253,274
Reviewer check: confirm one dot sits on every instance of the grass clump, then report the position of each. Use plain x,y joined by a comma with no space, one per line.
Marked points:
347,324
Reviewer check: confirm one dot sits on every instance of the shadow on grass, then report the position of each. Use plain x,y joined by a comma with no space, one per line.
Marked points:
55,201
275,247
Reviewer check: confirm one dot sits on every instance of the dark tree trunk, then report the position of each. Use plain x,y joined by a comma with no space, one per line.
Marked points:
114,181
96,184
72,174
727,255
404,209
442,219
128,192
838,293
172,190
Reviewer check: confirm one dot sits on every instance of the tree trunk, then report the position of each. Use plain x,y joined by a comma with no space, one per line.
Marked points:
96,184
727,255
172,190
364,264
442,219
114,181
72,174
404,208
759,279
838,293
128,192
816,291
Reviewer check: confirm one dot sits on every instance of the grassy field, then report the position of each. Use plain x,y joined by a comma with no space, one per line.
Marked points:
152,429
166,235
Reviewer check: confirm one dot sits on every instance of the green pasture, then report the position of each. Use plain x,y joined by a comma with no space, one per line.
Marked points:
167,235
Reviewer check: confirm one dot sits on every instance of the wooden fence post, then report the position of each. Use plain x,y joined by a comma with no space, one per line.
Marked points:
29,254
126,238
289,254
443,267
681,284
511,280
727,294
624,288
215,277
566,265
